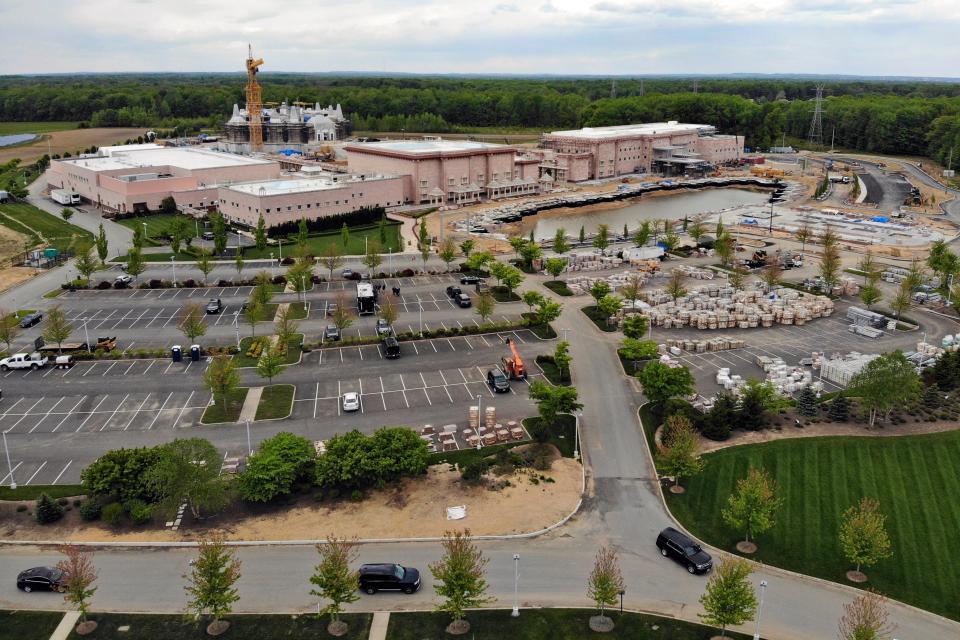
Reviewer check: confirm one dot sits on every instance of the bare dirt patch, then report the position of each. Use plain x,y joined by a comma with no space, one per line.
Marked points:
11,244
69,141
418,511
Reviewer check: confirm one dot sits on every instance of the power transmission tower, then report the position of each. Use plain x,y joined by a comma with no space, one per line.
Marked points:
816,124
641,86
613,88
696,86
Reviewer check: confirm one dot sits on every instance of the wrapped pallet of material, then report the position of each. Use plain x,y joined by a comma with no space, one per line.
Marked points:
474,417
490,416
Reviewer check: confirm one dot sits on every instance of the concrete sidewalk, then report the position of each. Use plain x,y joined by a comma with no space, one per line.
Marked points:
66,625
250,404
378,628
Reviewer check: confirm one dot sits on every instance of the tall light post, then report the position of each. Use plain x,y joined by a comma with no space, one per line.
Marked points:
196,224
479,421
144,230
13,483
236,326
173,265
86,336
516,585
390,260
280,244
576,436
949,287
420,306
249,448
303,290
763,588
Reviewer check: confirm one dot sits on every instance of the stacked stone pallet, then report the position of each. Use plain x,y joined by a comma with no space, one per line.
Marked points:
591,262
696,274
703,346
582,284
723,308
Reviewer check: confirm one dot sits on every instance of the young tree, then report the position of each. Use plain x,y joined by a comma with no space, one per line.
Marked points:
221,378
886,382
302,233
342,317
599,289
631,290
135,263
389,311
602,239
752,507
335,581
192,323
870,294
863,536
675,288
660,382
477,261
498,269
604,586
696,229
101,243
211,583
552,401
86,263
643,233
238,263
554,266
77,581
738,278
902,300
635,326
680,457
253,313
203,264
512,278
344,236
609,305
466,247
560,244
547,311
517,243
670,239
424,240
138,236
729,598
804,234
219,228
9,328
562,358
57,328
382,229
723,246
532,299
332,258
461,576
485,306
582,237
372,258
865,618
285,325
447,251
771,274
270,364
529,253
260,234
830,259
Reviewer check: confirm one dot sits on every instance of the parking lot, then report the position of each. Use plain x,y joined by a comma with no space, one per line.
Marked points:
200,293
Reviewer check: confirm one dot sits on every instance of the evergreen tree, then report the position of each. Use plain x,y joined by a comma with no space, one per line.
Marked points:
47,510
260,234
807,402
932,396
839,409
101,244
721,417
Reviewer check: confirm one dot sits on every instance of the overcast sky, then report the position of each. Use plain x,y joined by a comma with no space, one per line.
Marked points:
864,37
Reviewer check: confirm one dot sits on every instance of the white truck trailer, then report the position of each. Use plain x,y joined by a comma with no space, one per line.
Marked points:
65,196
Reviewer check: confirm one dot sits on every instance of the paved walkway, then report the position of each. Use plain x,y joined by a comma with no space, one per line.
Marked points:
66,625
378,628
250,404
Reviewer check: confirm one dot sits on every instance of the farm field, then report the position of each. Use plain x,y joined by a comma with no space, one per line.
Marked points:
71,140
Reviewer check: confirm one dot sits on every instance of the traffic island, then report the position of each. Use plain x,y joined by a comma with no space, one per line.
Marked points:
217,413
559,287
598,318
275,402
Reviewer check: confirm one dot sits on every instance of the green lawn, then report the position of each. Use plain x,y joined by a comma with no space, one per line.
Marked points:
243,627
547,624
160,223
563,433
317,243
552,371
11,128
559,287
502,294
215,413
28,625
32,492
31,221
293,351
276,402
916,479
592,312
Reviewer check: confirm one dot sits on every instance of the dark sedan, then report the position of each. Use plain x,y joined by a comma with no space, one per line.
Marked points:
40,579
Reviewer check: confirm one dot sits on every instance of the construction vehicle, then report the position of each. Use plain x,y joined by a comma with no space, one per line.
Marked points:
105,343
513,366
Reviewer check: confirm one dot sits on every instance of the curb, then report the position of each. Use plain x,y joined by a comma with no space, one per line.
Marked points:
771,568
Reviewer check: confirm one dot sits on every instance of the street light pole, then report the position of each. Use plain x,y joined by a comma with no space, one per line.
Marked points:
516,585
763,588
280,244
576,436
173,265
420,306
86,336
249,448
144,230
13,483
236,326
479,421
949,285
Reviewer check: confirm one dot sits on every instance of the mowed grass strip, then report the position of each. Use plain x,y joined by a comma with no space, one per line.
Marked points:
915,478
216,413
31,221
275,402
160,223
28,625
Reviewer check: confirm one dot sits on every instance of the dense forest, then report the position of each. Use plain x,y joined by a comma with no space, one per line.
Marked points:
921,118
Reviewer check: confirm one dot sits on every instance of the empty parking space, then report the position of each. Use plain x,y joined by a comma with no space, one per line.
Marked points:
99,321
42,472
157,294
104,412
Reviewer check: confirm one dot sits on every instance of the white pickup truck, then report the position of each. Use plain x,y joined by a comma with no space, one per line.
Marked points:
23,361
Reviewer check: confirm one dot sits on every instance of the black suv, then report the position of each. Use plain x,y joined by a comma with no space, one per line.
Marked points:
30,319
214,306
387,576
40,579
497,381
673,544
453,292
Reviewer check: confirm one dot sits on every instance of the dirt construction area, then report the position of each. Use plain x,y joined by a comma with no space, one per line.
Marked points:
416,508
70,141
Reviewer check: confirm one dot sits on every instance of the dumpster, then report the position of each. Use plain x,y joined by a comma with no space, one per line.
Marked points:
176,353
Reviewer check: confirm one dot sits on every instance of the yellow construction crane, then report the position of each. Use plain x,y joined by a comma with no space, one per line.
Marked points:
254,101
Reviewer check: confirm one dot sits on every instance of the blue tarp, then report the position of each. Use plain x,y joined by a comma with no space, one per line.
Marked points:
881,219
291,152
749,221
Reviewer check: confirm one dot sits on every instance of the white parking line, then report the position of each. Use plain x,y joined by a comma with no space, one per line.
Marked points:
132,364
46,415
15,467
154,318
316,396
404,391
382,398
91,414
177,419
360,395
69,413
172,316
110,367
136,413
62,471
30,479
107,421
26,413
159,411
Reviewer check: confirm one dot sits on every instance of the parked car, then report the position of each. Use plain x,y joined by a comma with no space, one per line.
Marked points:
470,279
331,308
31,319
123,280
463,301
214,306
207,235
40,579
332,332
347,273
383,327
388,577
351,401
391,347
453,292
497,381
676,545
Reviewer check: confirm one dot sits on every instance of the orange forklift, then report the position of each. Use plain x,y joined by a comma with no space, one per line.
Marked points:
513,366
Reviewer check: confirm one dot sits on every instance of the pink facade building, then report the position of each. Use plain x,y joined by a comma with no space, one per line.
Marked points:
133,178
670,148
310,196
445,171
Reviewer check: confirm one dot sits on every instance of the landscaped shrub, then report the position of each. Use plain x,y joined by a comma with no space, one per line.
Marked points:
104,284
474,471
281,461
120,474
139,511
90,509
357,461
47,510
112,513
